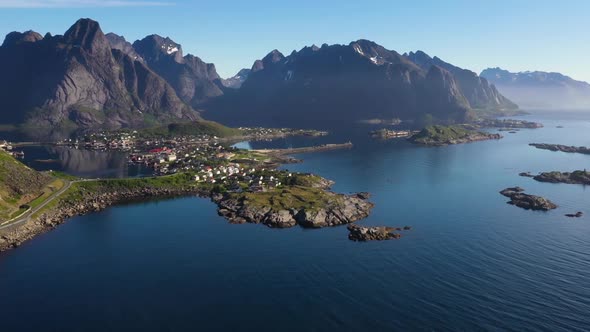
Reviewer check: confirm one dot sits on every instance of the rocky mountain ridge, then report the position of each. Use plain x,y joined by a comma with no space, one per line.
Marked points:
354,82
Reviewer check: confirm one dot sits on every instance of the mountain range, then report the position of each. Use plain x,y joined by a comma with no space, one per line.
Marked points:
358,81
541,90
88,79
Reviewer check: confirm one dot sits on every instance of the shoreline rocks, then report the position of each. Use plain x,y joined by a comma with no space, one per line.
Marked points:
526,201
374,233
343,209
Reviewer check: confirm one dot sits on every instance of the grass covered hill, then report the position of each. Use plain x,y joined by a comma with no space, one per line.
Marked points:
19,185
194,128
445,135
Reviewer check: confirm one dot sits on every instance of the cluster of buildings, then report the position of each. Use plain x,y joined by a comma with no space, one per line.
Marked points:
7,147
279,132
238,178
103,141
213,164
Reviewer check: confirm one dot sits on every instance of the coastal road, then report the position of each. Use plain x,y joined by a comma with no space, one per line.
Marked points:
27,215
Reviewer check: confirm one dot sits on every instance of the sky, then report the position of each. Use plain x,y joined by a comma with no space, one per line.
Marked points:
516,35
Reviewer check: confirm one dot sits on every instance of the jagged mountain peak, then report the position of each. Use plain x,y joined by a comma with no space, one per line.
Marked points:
87,34
154,46
79,79
273,57
194,80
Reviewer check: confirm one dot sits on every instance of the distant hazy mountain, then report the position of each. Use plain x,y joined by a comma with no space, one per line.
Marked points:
477,90
338,84
79,79
236,81
541,90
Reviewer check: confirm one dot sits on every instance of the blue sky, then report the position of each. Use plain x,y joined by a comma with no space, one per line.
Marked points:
516,35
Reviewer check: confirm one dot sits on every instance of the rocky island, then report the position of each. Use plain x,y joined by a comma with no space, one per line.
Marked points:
526,201
446,135
562,148
575,177
374,233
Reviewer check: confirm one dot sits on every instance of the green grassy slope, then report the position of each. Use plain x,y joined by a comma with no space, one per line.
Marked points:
18,185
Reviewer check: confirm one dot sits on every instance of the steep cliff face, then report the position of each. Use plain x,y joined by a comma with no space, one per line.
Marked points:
479,93
334,85
77,79
193,80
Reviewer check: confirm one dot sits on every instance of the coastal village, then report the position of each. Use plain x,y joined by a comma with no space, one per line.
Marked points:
211,159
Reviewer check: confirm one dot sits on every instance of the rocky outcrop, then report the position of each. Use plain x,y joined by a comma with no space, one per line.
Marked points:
342,209
526,201
562,148
374,233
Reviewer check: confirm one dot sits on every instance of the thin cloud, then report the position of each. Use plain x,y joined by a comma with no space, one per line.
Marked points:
78,3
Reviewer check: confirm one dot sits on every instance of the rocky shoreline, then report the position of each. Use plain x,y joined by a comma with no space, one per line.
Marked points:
91,202
342,209
347,209
526,201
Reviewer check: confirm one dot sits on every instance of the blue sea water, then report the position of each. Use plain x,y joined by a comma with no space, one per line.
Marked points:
471,262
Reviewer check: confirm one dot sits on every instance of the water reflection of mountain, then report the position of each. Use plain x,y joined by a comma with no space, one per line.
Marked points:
79,162
91,163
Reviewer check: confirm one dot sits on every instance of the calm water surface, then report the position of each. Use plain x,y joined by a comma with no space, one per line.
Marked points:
471,262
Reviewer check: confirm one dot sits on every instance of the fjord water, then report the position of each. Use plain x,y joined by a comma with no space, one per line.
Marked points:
471,261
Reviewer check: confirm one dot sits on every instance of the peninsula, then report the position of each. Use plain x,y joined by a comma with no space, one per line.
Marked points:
244,184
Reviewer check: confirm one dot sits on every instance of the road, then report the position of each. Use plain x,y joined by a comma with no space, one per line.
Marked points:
27,215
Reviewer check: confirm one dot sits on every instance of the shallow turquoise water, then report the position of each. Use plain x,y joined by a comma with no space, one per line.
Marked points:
471,262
